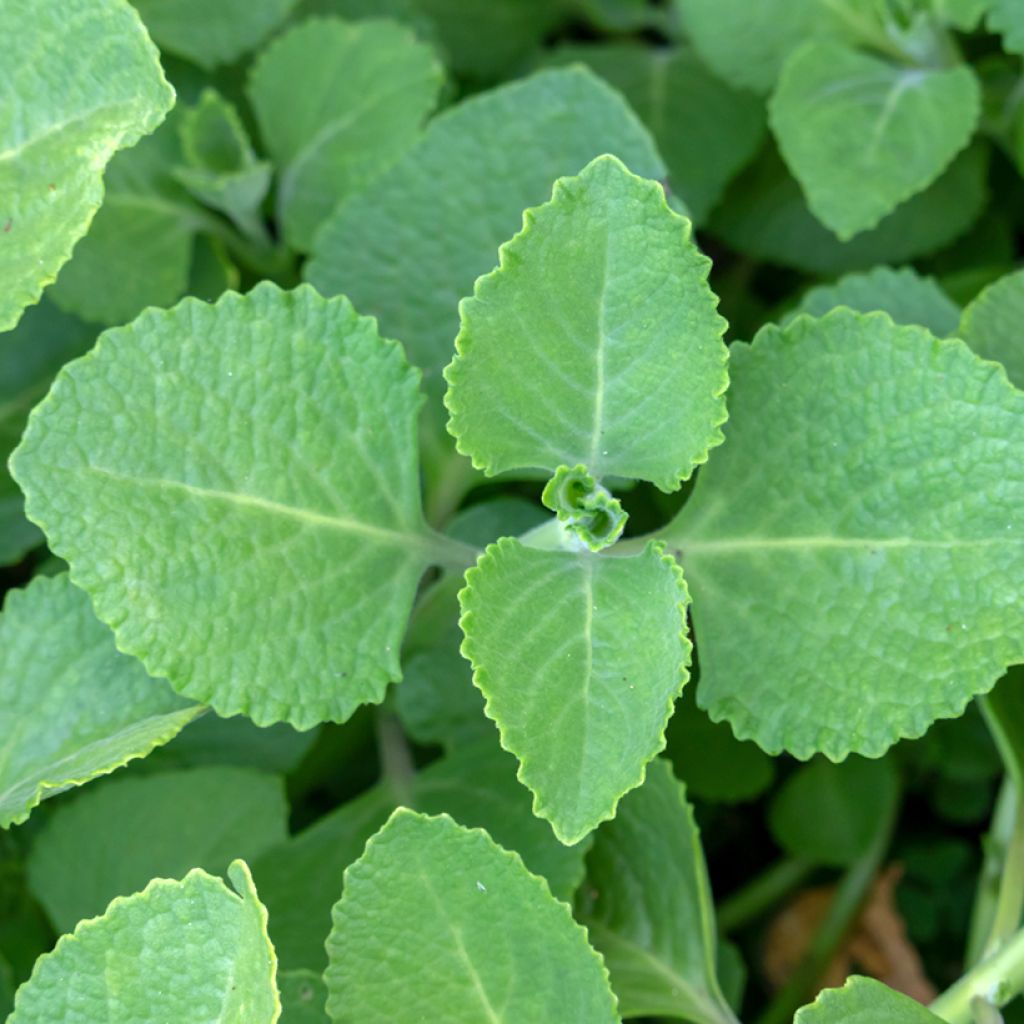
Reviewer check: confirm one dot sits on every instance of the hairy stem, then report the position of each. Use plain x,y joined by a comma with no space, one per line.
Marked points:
996,980
762,893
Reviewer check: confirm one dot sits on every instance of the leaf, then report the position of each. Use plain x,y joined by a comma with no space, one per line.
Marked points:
581,693
961,14
862,134
647,906
211,34
589,512
890,535
547,372
71,706
1007,18
991,325
121,834
222,506
864,1001
100,89
507,950
365,89
685,107
908,297
303,997
178,951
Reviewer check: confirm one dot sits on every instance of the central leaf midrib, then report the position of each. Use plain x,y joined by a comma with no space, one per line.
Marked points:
599,366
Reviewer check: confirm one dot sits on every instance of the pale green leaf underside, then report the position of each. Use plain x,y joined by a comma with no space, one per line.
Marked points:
993,325
337,103
864,1001
82,80
236,487
71,706
862,135
596,341
177,951
579,657
854,582
437,922
647,906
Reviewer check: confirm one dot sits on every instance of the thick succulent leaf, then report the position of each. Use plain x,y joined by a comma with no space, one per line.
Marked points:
303,998
903,293
685,106
862,134
207,473
596,341
854,582
83,81
365,88
647,906
71,706
864,1001
504,948
123,833
993,325
582,692
177,951
1007,18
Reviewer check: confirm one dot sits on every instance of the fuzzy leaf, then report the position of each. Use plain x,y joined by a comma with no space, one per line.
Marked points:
890,535
99,89
178,951
595,342
993,325
71,706
504,949
581,693
207,472
864,1001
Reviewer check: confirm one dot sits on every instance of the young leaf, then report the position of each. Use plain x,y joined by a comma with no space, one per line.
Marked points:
589,512
595,342
99,89
177,951
505,949
581,692
863,134
856,581
303,998
121,834
864,1001
348,127
991,325
647,906
207,472
71,706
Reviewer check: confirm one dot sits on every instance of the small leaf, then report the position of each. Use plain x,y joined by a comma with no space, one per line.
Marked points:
581,693
71,706
595,342
991,325
862,134
506,949
864,1001
303,998
100,89
647,906
177,951
588,511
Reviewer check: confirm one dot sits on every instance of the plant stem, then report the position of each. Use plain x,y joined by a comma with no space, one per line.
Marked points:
450,553
396,764
762,893
997,979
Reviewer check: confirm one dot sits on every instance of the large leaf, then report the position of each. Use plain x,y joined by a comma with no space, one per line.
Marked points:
647,906
365,87
993,325
547,371
82,80
222,505
178,951
856,548
581,692
864,1001
507,951
71,706
863,134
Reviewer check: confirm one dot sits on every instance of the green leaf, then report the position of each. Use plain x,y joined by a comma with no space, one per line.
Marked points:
581,693
222,451
864,1001
546,371
647,906
961,14
123,833
991,325
178,951
589,512
506,949
303,998
365,89
890,535
99,89
862,134
71,706
1007,18
210,34
903,293
686,108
